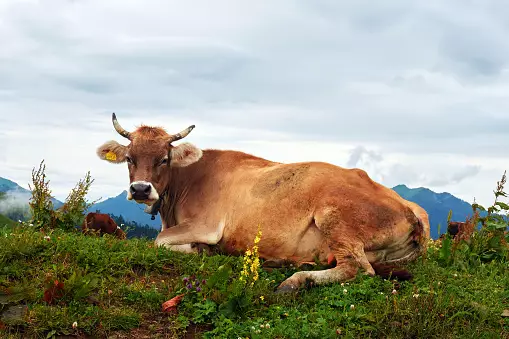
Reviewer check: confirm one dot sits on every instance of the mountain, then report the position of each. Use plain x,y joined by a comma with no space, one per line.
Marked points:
14,191
14,200
437,205
128,209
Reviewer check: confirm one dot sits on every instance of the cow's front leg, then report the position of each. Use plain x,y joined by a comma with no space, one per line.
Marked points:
187,238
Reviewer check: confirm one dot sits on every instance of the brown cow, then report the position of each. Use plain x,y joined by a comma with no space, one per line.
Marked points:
102,224
306,211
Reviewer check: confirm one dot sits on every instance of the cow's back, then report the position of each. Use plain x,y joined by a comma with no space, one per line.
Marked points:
285,197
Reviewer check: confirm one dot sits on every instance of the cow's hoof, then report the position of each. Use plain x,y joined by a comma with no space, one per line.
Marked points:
290,285
286,288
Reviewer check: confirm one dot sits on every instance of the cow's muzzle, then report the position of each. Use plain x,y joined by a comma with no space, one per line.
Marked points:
142,192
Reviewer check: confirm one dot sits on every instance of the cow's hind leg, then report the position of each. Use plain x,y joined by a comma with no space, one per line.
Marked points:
348,262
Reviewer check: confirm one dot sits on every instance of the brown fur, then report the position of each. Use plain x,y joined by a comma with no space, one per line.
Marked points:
102,224
306,211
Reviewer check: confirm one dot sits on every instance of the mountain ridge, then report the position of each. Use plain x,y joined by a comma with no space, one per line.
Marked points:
436,204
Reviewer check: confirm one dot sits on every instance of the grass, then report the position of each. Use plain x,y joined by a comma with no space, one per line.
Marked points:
4,221
115,288
54,281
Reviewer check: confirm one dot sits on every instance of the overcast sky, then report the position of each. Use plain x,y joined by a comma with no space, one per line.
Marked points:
414,92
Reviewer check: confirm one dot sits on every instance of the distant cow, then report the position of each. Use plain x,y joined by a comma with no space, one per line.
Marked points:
102,223
455,227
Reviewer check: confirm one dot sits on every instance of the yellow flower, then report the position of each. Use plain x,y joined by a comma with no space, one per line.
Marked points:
251,261
262,298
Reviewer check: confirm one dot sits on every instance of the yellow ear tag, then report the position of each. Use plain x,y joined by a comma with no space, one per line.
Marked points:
111,156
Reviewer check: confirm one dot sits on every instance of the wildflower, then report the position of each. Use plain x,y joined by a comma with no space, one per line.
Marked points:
262,326
75,325
198,289
342,284
47,237
455,275
415,296
345,291
189,286
262,297
186,279
394,291
267,325
110,292
204,281
352,307
251,261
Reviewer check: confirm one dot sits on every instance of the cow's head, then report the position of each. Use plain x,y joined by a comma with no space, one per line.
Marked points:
149,156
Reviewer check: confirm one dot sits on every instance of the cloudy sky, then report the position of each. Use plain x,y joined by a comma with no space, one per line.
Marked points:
414,92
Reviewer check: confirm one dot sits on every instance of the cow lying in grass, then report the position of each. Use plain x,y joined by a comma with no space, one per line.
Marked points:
99,223
307,211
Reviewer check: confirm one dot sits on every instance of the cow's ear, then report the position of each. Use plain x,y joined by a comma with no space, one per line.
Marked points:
112,151
184,155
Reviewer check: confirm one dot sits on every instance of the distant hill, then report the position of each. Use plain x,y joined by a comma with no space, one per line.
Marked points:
437,205
128,209
4,221
21,194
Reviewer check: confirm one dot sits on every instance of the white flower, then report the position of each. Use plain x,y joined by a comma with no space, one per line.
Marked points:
342,284
415,295
345,291
394,291
267,325
75,325
352,307
47,237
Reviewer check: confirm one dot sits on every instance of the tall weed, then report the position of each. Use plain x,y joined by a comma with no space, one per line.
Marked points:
43,213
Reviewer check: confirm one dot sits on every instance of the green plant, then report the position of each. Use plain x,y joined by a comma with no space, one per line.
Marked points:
67,217
72,212
482,238
41,206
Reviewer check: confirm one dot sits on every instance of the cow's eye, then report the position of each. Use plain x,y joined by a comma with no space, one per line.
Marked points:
164,161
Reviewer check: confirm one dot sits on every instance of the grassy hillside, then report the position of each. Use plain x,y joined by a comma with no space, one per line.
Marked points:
4,221
115,288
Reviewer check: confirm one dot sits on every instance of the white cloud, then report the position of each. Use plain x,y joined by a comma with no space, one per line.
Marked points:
421,86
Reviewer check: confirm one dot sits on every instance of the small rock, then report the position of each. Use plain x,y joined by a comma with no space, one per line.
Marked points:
505,313
14,315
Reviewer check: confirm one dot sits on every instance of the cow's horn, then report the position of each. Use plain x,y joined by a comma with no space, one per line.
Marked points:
119,128
181,134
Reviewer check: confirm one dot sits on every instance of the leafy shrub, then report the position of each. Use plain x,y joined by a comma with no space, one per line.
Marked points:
482,239
42,210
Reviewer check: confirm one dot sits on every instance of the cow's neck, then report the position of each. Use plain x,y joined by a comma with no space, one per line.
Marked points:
175,192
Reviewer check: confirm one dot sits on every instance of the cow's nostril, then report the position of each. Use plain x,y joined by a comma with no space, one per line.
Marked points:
132,189
147,189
